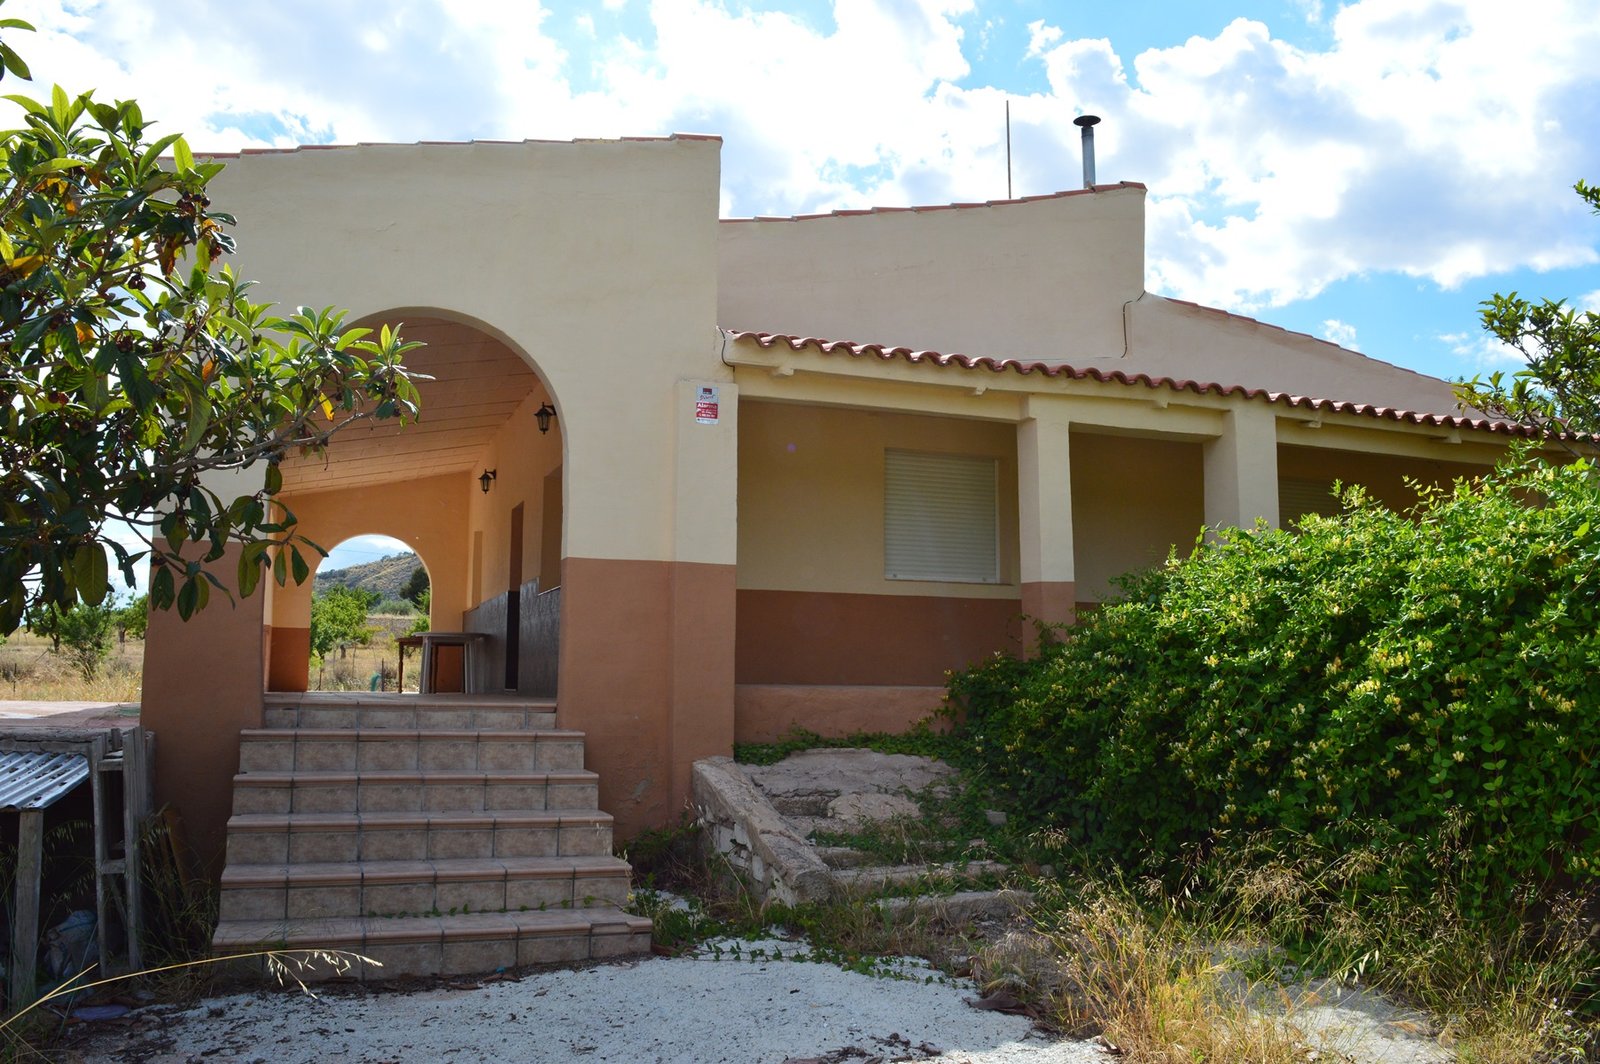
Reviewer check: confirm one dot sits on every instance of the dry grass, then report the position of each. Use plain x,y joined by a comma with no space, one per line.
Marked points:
1153,986
30,671
354,667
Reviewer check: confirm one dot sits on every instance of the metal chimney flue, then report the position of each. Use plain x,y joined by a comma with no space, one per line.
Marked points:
1087,124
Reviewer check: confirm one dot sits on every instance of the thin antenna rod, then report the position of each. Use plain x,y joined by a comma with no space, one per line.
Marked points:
1008,150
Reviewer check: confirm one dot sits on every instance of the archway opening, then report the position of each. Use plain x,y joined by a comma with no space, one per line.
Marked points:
370,592
473,484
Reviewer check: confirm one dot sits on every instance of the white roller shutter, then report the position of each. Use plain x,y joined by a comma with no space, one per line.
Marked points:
940,518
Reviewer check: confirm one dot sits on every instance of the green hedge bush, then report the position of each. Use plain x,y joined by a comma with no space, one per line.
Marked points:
1434,674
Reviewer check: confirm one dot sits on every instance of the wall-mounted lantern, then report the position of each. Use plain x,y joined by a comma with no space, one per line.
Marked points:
543,416
488,477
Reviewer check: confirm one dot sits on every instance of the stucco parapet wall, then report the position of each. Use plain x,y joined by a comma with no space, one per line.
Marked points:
754,836
1030,375
924,209
243,152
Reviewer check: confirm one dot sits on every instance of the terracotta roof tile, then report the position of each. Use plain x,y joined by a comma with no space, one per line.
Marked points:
1063,370
939,206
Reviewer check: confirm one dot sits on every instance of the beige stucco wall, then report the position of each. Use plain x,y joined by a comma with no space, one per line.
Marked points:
597,261
1185,342
522,458
811,496
1038,279
428,515
1133,499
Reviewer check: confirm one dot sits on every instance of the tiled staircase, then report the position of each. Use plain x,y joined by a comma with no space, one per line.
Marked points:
437,835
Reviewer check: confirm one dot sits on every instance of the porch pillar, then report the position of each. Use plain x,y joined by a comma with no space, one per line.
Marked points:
1044,511
705,545
1241,469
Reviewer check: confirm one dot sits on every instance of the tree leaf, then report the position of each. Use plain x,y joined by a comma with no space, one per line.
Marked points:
92,572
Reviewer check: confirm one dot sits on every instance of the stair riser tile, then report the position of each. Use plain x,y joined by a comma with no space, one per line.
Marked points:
325,755
558,755
502,719
395,755
452,797
313,847
387,899
279,717
447,719
266,755
465,896
447,755
470,958
527,842
310,903
512,797
327,717
249,799
532,895
552,949
505,755
588,891
404,959
585,841
573,796
333,798
252,903
396,845
602,947
258,847
460,842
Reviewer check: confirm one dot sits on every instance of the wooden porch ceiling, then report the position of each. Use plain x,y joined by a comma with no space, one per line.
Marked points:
477,383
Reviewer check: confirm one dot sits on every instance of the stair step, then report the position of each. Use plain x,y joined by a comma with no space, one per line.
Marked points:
453,750
322,709
444,945
413,791
278,838
387,888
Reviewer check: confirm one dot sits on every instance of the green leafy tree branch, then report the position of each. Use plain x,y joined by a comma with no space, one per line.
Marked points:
132,365
1559,389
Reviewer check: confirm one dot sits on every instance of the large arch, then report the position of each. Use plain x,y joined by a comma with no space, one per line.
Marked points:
422,484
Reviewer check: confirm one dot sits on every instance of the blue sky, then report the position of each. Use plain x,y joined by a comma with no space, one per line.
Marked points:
1366,172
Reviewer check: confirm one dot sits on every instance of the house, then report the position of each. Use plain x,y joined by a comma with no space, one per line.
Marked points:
798,467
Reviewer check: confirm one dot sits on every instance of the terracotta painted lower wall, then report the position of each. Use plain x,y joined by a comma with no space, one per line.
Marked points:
202,684
288,651
647,652
765,713
807,637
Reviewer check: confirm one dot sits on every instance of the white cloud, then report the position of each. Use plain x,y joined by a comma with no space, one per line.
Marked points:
1431,138
1481,353
1041,37
1340,332
1589,302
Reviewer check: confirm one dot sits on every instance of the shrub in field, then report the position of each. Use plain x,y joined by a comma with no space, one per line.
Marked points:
1428,674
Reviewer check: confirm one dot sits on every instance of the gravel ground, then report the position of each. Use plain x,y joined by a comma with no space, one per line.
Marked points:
691,1010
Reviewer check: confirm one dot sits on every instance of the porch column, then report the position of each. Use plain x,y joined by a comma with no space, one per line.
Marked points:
1044,512
705,546
202,684
1241,469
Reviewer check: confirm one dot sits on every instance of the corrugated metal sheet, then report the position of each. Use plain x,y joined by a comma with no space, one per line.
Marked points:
31,779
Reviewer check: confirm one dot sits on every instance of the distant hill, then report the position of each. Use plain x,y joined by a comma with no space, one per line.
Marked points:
386,576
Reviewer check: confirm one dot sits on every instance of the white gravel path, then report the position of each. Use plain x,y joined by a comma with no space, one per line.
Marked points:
690,1010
